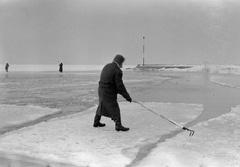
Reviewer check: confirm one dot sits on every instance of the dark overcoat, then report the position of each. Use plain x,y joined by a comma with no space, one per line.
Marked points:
110,85
61,67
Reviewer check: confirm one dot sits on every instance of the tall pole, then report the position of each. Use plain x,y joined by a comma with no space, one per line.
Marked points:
143,49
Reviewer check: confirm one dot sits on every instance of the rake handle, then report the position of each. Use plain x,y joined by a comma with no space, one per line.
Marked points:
175,123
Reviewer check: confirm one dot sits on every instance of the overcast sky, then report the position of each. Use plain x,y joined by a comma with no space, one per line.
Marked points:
94,31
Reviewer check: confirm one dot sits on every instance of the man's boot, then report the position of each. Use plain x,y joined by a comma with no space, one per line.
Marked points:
118,125
97,122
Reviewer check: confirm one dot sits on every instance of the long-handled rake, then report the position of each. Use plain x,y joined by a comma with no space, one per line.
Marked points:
175,123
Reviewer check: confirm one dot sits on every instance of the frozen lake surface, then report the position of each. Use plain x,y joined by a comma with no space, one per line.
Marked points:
192,99
72,139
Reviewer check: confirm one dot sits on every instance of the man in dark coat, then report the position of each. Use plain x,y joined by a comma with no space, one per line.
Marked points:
6,67
61,67
110,85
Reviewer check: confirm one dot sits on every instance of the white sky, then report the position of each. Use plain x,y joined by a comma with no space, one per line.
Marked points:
92,32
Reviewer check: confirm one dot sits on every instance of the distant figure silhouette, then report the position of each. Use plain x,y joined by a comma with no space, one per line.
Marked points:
6,67
61,67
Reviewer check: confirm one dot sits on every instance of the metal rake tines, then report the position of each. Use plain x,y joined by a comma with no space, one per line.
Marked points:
191,131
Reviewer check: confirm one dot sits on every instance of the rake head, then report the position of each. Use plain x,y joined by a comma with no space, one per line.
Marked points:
191,131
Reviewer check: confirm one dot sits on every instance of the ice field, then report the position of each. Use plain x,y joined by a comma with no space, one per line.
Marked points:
215,144
72,139
151,141
13,115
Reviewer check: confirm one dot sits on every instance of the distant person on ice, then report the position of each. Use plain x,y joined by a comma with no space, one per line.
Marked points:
6,67
61,67
110,85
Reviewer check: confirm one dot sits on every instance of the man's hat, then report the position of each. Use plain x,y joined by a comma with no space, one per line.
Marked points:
119,59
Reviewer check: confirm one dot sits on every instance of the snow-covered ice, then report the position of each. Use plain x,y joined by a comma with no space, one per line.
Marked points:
215,144
13,114
232,81
72,139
